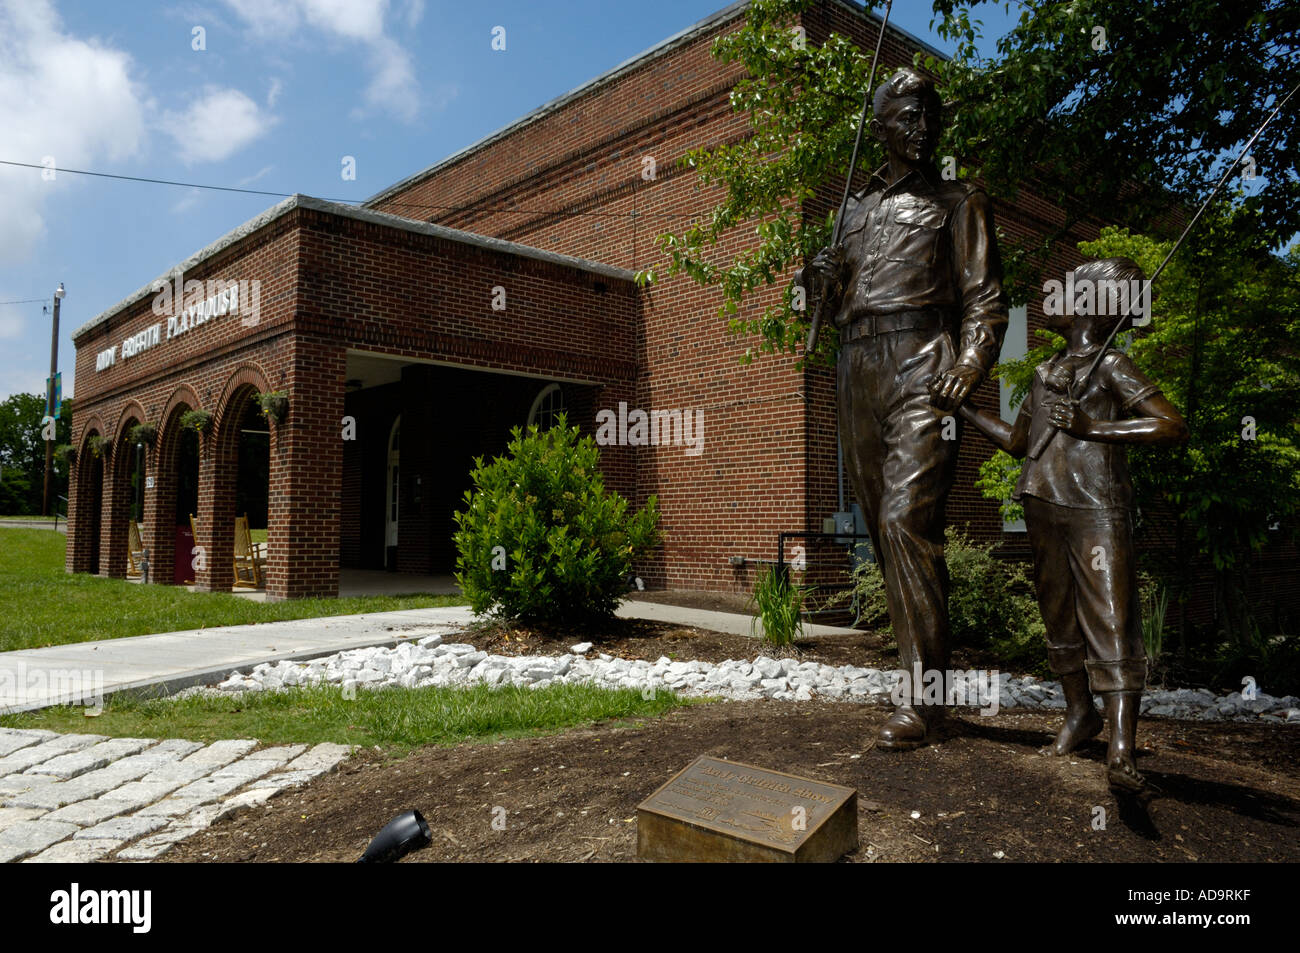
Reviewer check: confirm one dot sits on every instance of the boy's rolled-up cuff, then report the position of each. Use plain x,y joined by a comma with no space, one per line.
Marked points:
1121,675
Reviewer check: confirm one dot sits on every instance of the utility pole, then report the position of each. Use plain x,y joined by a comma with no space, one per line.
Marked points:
49,399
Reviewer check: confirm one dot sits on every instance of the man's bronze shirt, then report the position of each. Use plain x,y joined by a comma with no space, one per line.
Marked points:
926,244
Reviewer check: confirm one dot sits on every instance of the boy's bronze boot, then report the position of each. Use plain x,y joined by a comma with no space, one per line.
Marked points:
1122,717
1081,719
1119,683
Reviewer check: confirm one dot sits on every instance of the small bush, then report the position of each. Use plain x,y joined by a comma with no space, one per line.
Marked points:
990,602
541,539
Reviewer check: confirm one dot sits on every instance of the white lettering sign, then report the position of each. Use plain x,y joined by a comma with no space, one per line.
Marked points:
142,341
223,298
218,305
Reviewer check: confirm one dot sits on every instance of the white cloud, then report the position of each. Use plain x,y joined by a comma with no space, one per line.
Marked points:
187,201
217,124
414,13
260,173
393,86
273,94
70,99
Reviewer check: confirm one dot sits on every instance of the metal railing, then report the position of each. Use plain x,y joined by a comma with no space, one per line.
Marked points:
783,566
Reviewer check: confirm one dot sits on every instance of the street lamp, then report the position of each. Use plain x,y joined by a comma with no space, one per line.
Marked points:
59,295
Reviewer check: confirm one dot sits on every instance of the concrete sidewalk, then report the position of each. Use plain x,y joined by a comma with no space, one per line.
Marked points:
62,526
80,672
733,623
166,662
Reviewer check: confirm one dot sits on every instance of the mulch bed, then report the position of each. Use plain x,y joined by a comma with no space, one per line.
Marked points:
1225,792
641,639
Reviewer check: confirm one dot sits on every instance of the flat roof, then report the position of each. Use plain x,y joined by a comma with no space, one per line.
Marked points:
659,49
360,214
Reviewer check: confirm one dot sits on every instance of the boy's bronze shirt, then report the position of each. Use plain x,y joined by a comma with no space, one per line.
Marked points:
1086,474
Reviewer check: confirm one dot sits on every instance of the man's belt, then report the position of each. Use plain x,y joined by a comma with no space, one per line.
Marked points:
873,325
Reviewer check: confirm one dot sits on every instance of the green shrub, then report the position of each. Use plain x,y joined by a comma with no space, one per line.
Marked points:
779,604
990,602
541,539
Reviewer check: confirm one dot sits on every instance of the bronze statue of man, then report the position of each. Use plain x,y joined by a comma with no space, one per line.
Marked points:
916,288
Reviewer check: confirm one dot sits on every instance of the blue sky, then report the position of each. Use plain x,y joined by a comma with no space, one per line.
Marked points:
280,93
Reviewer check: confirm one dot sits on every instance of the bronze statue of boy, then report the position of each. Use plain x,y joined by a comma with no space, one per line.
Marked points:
1077,496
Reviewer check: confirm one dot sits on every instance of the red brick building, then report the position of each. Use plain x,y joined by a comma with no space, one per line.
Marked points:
492,288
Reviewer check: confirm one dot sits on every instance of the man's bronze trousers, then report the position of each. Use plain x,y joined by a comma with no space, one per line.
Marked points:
901,468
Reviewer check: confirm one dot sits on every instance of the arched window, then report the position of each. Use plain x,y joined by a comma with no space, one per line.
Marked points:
547,407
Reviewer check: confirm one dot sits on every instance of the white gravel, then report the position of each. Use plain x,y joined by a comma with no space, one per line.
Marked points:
431,661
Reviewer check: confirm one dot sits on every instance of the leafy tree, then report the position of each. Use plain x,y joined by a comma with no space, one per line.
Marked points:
22,453
1130,128
541,539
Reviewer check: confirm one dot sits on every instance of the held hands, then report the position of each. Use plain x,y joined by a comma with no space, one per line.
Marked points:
949,389
1066,414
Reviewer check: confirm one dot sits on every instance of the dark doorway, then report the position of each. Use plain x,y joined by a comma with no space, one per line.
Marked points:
94,510
135,508
187,505
252,486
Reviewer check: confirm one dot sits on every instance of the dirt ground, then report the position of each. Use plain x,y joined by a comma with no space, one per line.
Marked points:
1222,793
640,639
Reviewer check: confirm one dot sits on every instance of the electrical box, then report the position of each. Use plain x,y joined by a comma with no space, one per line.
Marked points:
854,522
845,523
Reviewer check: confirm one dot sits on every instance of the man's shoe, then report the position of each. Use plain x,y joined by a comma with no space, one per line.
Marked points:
906,729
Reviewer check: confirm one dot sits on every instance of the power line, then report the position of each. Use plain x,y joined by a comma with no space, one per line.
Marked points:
28,301
133,178
285,195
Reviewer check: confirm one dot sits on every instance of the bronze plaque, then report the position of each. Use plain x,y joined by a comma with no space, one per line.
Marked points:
725,811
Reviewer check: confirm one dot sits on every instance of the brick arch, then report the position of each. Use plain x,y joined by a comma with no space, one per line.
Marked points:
88,427
161,509
125,415
246,375
218,476
182,396
85,502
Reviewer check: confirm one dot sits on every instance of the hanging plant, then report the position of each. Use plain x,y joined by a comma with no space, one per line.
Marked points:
200,421
99,445
66,454
142,433
275,404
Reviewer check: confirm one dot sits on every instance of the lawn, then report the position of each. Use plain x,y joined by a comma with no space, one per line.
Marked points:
394,718
40,604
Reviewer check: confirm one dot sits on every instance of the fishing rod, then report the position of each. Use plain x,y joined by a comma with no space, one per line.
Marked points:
836,231
1046,437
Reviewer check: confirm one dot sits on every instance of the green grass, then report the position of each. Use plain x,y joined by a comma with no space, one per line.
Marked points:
394,718
31,519
40,604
